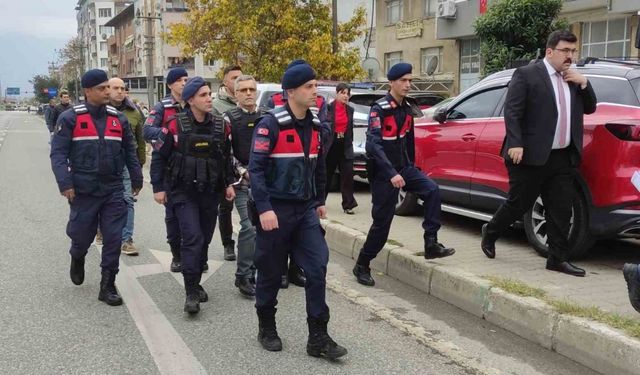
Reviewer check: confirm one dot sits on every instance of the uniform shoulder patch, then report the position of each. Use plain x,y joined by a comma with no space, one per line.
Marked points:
263,131
261,145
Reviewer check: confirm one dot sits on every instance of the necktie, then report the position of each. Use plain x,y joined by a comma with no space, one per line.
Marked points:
562,112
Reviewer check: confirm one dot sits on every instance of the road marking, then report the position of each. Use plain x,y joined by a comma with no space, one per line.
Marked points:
170,353
164,257
445,348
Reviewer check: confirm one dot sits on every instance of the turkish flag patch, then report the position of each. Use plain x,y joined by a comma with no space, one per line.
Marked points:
263,131
261,145
373,114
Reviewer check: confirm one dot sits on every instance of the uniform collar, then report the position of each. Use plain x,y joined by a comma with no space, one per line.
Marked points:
97,111
248,112
392,101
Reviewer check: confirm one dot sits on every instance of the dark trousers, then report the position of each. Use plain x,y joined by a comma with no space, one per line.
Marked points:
196,213
554,183
336,159
299,230
384,198
224,219
86,212
174,238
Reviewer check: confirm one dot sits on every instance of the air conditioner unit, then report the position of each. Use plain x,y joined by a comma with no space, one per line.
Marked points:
447,9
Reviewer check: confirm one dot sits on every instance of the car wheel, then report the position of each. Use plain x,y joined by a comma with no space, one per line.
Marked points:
407,203
580,240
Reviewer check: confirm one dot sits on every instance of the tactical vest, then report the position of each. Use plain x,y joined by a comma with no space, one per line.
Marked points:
242,126
169,110
92,152
279,101
197,161
393,134
290,174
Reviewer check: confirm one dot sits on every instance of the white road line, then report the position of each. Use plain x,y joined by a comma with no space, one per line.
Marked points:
170,353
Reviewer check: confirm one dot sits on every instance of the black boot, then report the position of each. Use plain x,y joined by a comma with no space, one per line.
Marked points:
77,271
488,242
176,261
434,249
631,274
204,297
229,253
296,275
284,282
320,343
108,292
245,286
192,289
267,333
363,275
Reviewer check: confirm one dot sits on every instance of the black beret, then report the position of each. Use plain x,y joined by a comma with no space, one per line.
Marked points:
175,74
93,77
297,75
398,70
192,86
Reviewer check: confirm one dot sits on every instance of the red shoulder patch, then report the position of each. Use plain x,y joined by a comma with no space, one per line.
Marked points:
263,131
261,145
373,114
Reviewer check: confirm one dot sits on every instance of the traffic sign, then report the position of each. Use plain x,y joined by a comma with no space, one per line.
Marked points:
13,90
53,91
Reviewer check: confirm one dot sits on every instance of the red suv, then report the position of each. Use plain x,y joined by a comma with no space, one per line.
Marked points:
460,149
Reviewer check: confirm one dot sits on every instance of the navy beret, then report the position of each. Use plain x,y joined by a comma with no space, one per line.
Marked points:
93,77
175,74
192,86
296,62
297,76
398,70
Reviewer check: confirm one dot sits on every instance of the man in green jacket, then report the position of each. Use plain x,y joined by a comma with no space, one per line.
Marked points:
123,104
226,100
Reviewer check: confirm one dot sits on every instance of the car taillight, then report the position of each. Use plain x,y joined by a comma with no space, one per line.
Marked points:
624,132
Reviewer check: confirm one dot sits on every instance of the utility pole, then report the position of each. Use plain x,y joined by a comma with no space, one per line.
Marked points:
149,46
334,34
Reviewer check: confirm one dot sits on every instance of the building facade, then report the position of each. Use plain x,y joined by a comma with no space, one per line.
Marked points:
93,32
416,30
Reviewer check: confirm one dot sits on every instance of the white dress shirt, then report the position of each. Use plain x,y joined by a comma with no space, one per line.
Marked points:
567,95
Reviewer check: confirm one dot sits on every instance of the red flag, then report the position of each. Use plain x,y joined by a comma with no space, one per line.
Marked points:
483,6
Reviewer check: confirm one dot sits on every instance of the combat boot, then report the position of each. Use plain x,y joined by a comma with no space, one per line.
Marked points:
434,249
320,344
229,253
77,271
176,261
108,292
267,333
192,289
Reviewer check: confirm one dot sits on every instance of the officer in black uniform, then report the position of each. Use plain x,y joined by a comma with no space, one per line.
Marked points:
241,120
391,150
152,131
288,178
90,148
193,169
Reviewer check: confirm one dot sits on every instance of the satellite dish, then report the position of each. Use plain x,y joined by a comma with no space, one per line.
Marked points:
432,65
104,36
372,67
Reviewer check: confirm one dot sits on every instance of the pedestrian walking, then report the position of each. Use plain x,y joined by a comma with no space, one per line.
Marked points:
340,154
391,149
153,133
543,112
65,104
287,147
93,143
191,169
119,100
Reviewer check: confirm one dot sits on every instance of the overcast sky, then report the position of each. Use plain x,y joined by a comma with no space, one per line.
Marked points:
30,31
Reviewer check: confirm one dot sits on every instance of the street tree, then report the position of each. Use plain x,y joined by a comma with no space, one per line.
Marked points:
41,83
264,36
72,65
513,30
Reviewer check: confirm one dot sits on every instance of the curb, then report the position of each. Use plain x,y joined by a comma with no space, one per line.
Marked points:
589,343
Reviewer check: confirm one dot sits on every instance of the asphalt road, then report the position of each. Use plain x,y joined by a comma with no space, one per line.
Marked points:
50,326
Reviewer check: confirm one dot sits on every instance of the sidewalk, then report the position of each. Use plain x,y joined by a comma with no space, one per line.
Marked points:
461,280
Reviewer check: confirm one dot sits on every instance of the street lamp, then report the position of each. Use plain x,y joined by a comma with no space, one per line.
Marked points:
149,47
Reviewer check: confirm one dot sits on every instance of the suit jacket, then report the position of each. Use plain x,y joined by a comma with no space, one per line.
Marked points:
531,115
348,135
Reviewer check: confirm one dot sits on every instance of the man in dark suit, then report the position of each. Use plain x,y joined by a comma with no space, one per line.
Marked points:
543,114
340,155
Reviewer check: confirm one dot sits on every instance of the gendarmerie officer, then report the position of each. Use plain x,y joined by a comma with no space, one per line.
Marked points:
288,179
91,146
390,146
241,120
158,118
191,169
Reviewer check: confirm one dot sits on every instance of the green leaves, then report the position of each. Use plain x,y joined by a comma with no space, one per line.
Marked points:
514,29
264,36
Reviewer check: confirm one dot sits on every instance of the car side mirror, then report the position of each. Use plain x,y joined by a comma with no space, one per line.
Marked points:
440,115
